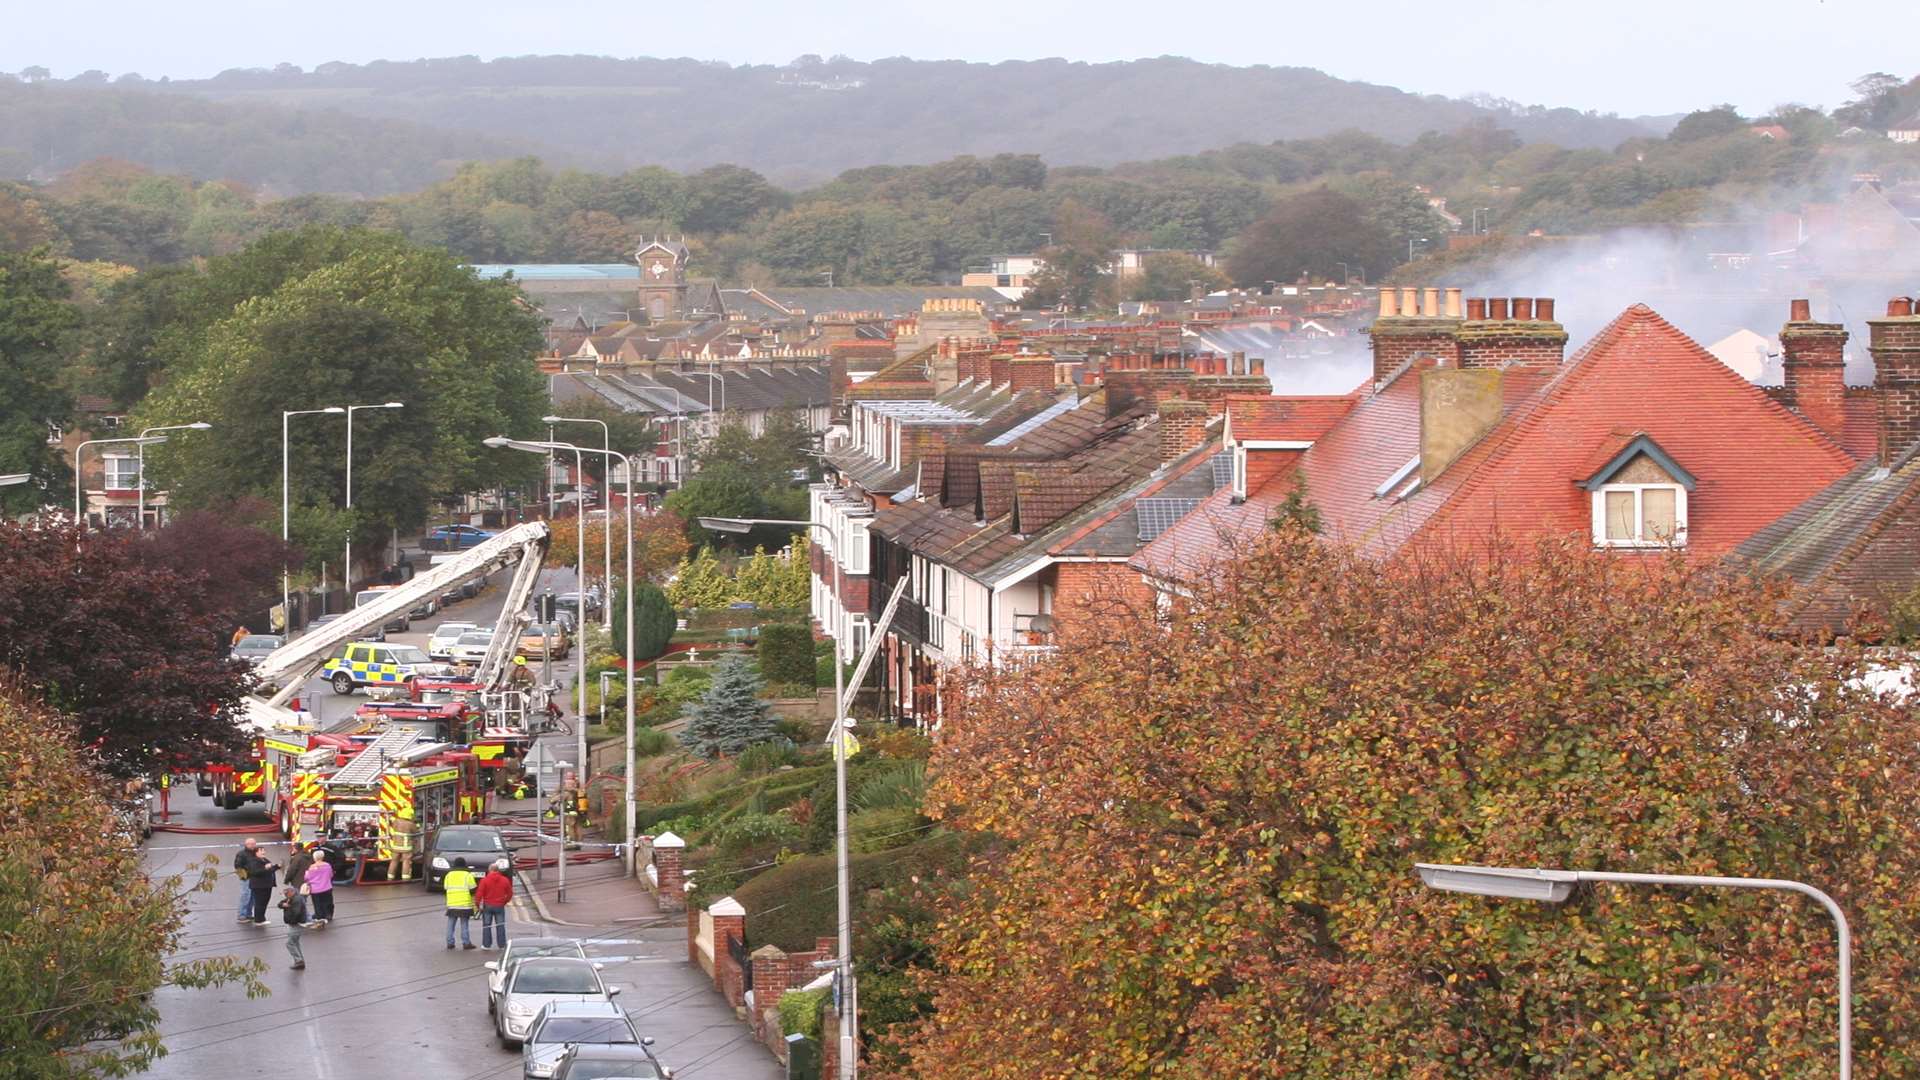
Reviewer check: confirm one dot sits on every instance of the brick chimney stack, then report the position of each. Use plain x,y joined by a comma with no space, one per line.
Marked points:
1411,324
1511,332
1031,373
1894,343
1183,426
1814,361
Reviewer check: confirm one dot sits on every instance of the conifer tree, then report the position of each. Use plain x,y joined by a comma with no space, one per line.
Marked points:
730,716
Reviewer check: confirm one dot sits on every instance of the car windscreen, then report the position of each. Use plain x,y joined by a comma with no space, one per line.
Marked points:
561,948
550,978
258,643
362,599
407,654
580,1030
447,630
584,1068
470,841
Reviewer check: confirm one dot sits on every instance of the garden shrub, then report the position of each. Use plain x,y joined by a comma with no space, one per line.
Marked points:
800,1011
786,654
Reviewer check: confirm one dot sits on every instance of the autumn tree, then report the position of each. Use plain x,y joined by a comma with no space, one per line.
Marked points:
89,932
36,320
231,551
1312,233
129,645
1212,817
659,542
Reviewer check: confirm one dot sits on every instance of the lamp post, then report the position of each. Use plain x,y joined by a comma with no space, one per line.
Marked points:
606,503
13,479
346,572
286,588
140,517
1412,240
628,789
1555,886
850,1023
79,514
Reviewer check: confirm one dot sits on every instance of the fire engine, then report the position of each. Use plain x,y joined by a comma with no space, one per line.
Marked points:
482,717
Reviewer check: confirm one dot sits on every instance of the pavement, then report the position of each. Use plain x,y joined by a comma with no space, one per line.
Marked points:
381,994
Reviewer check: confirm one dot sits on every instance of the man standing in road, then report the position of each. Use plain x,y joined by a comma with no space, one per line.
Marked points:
494,894
240,866
260,879
459,884
400,846
295,907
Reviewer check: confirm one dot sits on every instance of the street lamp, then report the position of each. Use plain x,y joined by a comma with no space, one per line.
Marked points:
140,522
606,503
850,1023
1555,886
11,479
346,568
79,515
1412,240
501,441
286,604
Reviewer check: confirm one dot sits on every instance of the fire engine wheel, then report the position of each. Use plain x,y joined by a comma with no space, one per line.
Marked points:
202,786
342,683
229,802
286,821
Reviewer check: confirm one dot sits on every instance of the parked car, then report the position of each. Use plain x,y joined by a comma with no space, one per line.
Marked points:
480,845
561,1024
533,984
472,587
534,645
440,644
611,1061
455,538
369,663
257,647
471,648
399,623
525,948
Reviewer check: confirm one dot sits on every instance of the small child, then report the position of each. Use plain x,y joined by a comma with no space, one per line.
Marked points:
295,907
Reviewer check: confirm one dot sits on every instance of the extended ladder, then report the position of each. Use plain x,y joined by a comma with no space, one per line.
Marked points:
370,762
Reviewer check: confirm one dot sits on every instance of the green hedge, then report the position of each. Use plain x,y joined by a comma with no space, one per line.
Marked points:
786,653
800,1012
776,790
794,903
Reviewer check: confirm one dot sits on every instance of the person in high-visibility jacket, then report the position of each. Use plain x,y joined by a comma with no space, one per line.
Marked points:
459,884
400,846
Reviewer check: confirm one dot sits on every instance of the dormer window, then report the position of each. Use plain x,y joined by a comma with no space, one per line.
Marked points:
1639,497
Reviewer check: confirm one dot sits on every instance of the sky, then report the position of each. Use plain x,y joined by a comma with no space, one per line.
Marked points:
1630,57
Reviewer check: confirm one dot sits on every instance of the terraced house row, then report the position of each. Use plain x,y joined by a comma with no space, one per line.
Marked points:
1015,495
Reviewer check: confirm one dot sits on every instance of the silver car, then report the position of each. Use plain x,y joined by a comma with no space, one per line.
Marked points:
471,648
523,948
563,1024
534,984
440,645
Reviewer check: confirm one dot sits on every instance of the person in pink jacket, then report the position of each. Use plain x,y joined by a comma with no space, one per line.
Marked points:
320,887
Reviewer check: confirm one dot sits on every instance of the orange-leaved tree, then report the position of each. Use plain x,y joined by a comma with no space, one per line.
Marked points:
1211,818
659,542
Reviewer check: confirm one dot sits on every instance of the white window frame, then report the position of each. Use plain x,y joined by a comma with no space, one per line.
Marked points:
107,477
1239,473
1600,538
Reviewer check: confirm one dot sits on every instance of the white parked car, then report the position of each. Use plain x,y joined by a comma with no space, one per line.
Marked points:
536,983
471,648
439,646
524,948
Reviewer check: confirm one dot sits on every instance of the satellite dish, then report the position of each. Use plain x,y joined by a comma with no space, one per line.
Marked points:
1042,624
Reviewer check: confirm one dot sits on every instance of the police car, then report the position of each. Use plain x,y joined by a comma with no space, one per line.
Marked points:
374,663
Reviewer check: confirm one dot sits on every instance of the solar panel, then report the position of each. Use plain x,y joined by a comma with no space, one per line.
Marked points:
1158,515
1222,470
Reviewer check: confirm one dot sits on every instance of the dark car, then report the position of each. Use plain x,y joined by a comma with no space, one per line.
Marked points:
480,845
455,538
257,647
611,1061
400,623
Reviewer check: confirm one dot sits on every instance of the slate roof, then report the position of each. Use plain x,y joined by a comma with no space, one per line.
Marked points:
892,302
754,388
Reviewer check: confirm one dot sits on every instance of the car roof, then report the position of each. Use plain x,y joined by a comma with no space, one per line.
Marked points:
470,828
453,625
583,1010
611,1052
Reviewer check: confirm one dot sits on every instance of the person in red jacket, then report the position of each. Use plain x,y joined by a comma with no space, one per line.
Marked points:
493,894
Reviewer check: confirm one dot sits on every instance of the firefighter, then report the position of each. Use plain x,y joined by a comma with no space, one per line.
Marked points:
520,787
400,846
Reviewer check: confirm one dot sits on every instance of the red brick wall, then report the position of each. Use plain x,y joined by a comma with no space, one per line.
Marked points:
1090,598
1031,373
1398,340
1183,426
1895,345
1814,362
1000,369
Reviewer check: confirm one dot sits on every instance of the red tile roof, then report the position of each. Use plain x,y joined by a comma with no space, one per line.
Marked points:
1753,459
1302,418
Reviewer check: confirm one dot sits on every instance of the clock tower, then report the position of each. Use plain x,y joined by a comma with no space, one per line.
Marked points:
663,279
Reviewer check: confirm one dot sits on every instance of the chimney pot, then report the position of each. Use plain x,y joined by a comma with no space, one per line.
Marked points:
1409,301
1476,309
1497,308
1453,303
1543,308
1523,308
1900,306
1430,303
1387,308
1799,311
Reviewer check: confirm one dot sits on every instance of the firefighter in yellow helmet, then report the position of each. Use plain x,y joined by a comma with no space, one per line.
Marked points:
400,846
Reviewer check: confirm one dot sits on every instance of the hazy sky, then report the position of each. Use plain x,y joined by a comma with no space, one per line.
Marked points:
1625,56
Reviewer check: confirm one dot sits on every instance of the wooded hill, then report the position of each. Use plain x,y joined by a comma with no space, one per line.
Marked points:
796,124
